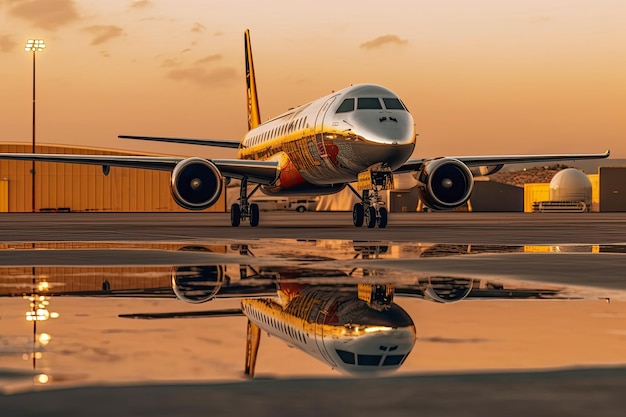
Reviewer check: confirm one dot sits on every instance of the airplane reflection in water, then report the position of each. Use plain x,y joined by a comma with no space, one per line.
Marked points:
346,318
357,329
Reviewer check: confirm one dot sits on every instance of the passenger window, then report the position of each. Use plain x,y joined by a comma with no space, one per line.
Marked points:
346,106
367,103
393,104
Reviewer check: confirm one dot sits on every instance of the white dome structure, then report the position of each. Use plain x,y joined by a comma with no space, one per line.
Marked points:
571,185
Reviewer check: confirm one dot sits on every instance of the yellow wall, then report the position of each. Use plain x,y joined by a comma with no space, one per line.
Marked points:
595,191
4,195
84,187
534,192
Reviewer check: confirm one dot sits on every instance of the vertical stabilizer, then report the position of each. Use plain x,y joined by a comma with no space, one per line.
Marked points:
253,339
254,117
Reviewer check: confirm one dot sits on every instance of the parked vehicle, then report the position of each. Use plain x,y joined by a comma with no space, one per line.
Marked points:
273,203
302,205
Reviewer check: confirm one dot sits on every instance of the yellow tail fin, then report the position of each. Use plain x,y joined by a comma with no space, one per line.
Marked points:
254,116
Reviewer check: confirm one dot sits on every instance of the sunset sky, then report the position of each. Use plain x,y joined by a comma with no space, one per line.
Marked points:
479,77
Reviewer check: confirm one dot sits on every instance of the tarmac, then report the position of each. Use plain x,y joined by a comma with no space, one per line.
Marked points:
583,392
579,391
439,227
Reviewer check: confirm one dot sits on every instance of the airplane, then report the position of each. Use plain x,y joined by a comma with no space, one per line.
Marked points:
361,133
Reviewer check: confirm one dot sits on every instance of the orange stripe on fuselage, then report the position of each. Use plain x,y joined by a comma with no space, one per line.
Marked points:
289,175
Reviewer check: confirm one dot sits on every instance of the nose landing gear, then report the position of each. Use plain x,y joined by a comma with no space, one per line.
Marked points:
370,214
371,211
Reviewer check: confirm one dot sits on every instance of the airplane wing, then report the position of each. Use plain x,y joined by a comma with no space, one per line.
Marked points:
184,314
501,160
220,143
262,172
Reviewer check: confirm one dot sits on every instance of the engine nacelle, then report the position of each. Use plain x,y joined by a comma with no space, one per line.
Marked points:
448,289
197,284
444,183
196,183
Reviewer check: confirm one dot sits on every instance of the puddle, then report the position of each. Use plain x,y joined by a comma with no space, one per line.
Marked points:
111,312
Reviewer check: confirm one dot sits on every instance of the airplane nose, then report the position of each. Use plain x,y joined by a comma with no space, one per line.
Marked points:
393,155
389,137
388,128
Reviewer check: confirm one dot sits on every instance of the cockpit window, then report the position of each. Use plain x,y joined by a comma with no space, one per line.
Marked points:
393,360
369,103
346,357
369,360
346,106
393,104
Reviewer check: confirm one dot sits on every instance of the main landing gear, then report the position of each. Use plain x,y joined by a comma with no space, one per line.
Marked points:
244,210
371,211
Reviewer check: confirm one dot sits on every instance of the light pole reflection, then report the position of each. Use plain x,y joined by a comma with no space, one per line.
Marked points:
39,303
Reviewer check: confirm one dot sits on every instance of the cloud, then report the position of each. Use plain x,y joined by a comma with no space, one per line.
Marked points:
104,33
7,43
45,14
384,40
198,28
201,76
170,62
141,4
209,58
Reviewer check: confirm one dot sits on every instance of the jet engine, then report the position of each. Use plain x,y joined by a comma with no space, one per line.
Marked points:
444,183
197,284
196,183
448,289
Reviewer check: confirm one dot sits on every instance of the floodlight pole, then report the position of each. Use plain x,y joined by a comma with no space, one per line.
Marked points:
32,170
34,46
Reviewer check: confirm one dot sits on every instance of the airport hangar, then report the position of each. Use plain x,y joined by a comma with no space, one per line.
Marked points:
85,188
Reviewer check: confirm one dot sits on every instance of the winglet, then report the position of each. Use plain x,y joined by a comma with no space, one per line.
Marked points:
254,116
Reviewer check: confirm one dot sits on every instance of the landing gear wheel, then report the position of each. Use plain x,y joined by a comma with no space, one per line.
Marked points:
370,217
235,215
382,217
254,215
357,214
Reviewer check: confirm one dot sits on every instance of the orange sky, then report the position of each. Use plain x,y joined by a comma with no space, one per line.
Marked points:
480,77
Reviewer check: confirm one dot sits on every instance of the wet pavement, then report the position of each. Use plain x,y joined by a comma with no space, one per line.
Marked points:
83,313
158,309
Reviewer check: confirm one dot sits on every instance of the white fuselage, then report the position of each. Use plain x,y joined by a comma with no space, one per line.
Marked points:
328,142
338,329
